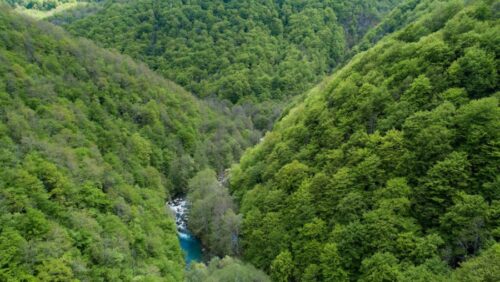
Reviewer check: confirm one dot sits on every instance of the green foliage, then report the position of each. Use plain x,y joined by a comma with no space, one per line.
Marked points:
211,215
380,267
330,264
41,9
465,223
484,268
224,270
39,4
388,171
281,267
390,167
93,144
234,50
89,140
476,70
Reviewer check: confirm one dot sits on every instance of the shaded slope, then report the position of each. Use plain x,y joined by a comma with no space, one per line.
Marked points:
235,49
389,169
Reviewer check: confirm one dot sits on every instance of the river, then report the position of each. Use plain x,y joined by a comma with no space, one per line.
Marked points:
191,245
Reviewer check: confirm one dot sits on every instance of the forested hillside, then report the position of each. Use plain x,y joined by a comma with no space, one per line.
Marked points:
389,170
92,144
43,5
234,49
46,8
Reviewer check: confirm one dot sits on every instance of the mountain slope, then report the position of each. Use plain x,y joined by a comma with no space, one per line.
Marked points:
41,9
235,49
389,169
90,147
43,5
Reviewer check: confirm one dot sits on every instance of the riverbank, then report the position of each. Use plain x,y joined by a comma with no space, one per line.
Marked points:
191,245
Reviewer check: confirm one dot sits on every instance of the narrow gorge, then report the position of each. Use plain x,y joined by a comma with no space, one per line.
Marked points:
192,247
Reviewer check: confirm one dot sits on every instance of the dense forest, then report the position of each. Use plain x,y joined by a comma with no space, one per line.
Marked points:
235,49
92,145
43,5
84,159
389,170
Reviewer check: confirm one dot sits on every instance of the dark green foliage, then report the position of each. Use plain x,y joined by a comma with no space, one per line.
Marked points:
388,171
234,49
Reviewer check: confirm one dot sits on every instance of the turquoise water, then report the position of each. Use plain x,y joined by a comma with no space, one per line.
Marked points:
191,245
